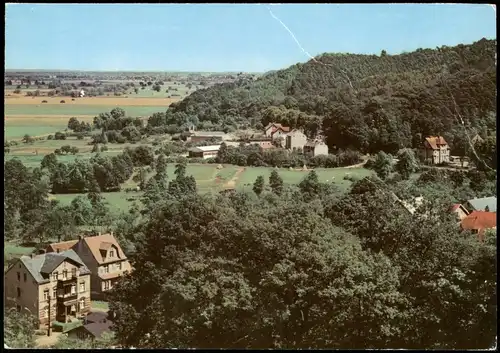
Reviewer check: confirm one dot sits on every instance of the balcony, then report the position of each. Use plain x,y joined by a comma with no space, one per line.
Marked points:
70,277
64,297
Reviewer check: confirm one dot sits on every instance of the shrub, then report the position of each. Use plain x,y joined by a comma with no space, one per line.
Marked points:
44,101
63,101
60,136
351,178
50,137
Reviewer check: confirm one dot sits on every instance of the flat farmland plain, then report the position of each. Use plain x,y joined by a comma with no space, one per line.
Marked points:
92,101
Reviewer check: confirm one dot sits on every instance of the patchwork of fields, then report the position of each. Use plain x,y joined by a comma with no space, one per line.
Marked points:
28,115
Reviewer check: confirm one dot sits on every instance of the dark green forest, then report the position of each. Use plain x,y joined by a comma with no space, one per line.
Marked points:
365,102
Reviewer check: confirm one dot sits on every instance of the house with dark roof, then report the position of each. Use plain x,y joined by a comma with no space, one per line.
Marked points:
479,221
435,150
105,258
52,286
94,325
482,204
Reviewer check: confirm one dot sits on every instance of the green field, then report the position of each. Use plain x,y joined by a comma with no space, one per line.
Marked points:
12,251
18,131
335,175
73,109
206,176
117,201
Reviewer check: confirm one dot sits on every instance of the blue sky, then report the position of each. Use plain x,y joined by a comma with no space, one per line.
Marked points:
162,37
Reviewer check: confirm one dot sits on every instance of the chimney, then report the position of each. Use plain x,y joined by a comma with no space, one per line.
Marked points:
80,237
33,255
111,233
58,250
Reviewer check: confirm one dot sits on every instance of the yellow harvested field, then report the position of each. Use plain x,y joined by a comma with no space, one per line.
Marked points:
108,101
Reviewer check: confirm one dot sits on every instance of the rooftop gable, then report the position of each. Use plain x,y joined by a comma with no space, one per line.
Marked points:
481,203
435,141
94,245
40,266
479,220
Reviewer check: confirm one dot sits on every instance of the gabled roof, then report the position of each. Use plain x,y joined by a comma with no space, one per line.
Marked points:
40,266
435,141
62,246
205,148
96,316
94,244
480,204
295,131
210,133
313,143
105,245
479,220
96,329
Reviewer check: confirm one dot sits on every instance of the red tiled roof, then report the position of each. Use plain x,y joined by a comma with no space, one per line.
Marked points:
62,246
480,220
455,206
435,141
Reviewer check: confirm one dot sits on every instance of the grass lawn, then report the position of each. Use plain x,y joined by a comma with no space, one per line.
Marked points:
13,131
100,305
12,251
117,201
32,160
16,250
70,110
336,175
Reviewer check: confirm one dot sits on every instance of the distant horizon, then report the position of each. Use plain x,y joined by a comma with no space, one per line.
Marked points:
222,72
227,38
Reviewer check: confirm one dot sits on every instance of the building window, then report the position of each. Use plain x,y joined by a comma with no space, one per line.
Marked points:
73,289
55,276
19,276
82,304
73,272
46,294
106,269
46,312
18,292
119,266
25,277
106,285
54,292
82,287
65,274
111,253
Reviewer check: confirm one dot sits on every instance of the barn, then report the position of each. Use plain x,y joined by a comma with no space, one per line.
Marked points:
204,151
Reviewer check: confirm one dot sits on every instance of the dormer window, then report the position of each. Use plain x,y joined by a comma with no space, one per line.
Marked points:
111,253
65,274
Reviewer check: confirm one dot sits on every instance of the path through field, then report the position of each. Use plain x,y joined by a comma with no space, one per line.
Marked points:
231,184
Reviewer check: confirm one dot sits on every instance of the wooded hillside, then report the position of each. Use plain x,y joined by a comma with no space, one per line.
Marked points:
366,102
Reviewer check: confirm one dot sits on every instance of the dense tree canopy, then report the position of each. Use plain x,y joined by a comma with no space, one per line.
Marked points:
306,267
366,102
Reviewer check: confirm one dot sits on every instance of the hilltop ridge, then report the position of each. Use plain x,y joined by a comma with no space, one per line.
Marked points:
366,102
